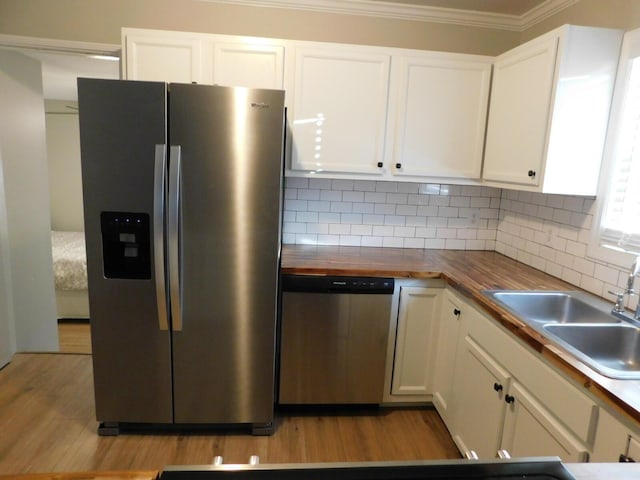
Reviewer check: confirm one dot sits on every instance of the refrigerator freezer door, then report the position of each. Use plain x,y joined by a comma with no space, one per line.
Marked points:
120,125
231,144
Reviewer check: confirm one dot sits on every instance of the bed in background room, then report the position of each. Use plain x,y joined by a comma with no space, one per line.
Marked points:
70,271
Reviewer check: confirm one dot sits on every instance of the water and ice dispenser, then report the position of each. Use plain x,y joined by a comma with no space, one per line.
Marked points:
126,245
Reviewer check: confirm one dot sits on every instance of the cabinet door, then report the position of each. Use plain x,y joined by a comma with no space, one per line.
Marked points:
163,56
440,116
415,341
480,387
248,65
446,349
339,111
519,113
531,431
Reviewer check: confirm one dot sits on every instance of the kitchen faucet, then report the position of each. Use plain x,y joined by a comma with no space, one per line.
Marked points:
618,308
633,273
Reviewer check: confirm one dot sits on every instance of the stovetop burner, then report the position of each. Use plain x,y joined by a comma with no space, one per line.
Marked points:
538,468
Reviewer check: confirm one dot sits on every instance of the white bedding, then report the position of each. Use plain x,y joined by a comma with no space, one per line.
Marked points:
69,260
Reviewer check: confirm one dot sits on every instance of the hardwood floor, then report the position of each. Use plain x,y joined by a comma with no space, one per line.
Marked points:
74,336
47,425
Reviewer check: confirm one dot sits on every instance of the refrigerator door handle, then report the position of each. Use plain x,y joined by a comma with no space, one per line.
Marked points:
159,183
174,237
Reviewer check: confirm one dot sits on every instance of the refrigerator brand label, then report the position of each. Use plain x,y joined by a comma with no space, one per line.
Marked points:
260,105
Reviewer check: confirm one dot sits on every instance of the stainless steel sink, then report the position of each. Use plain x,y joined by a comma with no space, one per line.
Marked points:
552,307
580,323
614,348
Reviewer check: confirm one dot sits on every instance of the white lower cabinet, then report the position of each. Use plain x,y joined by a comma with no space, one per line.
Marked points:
415,341
505,398
617,440
447,347
479,393
531,430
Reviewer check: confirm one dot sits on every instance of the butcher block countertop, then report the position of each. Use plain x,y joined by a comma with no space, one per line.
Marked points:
468,272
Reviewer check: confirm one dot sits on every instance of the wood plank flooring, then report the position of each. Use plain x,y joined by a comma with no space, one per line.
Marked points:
74,336
47,424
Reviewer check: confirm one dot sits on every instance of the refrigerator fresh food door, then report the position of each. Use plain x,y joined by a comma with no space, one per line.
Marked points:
228,249
122,137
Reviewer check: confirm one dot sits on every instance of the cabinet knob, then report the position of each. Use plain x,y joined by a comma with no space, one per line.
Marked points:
509,398
497,387
531,173
456,312
398,165
380,164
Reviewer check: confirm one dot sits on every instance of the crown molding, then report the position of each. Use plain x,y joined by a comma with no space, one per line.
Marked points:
58,45
543,11
406,11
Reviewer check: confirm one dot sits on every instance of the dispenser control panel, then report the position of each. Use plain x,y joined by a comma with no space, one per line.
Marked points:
126,245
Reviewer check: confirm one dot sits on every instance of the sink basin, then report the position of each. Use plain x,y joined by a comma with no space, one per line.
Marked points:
581,324
551,307
615,349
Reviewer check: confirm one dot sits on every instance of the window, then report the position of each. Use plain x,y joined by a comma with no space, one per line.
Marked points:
617,236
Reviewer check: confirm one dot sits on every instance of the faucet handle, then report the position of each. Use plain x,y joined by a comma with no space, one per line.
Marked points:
619,306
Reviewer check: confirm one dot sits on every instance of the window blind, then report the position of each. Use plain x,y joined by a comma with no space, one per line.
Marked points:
621,223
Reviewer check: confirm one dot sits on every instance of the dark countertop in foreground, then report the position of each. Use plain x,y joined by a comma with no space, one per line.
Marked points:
468,272
582,471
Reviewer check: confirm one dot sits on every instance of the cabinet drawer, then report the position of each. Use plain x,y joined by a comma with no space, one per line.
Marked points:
570,406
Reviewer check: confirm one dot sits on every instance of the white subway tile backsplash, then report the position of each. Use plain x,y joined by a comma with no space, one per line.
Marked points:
371,241
397,198
342,184
362,230
375,197
307,217
407,210
364,185
339,229
394,220
561,230
413,243
353,196
341,207
321,183
373,219
317,206
352,218
429,189
331,195
407,215
393,242
308,194
384,209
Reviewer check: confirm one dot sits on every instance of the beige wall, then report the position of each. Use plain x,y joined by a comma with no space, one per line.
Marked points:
63,159
100,21
623,14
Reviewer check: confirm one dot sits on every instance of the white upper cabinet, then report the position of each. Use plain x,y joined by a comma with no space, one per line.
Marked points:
338,118
202,58
549,109
164,56
247,64
440,114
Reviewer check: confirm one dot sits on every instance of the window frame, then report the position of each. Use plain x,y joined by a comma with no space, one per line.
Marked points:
596,250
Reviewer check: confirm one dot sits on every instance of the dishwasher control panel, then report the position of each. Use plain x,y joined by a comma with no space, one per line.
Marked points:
337,284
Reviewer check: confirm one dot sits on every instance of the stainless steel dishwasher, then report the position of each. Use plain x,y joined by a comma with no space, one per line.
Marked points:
334,335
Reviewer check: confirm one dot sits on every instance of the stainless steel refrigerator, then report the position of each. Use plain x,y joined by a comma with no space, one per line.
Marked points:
182,189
